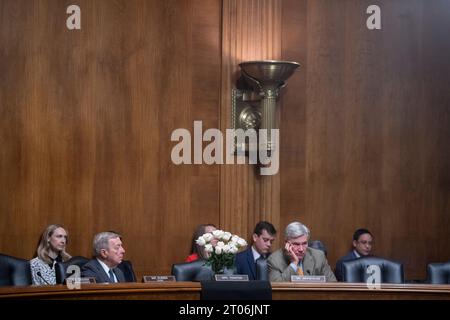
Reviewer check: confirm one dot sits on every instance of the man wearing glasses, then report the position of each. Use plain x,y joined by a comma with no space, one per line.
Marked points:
296,258
362,247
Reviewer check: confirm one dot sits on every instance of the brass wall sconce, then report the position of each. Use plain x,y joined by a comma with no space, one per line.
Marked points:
254,99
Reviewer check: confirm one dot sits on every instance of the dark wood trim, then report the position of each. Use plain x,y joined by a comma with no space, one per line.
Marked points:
192,290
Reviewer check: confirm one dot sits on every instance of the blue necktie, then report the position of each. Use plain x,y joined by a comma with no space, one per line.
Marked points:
111,276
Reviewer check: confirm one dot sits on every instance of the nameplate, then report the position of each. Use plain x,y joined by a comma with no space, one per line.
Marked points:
231,277
159,278
85,280
308,279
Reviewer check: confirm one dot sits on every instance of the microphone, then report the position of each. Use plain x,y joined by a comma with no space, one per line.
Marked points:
40,276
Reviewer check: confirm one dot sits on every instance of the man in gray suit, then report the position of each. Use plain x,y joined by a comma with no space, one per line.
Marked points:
108,253
296,258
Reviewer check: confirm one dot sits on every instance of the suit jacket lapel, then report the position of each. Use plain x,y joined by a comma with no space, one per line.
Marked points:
101,272
119,275
308,264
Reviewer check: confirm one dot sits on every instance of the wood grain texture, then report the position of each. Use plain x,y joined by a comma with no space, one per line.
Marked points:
86,123
293,109
371,150
251,30
192,291
86,118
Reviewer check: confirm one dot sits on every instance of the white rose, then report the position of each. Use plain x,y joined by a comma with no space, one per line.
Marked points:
220,244
232,244
218,250
209,248
226,236
201,241
218,234
235,238
208,237
233,249
226,248
241,242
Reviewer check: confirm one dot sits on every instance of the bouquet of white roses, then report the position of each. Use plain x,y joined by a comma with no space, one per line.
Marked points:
221,247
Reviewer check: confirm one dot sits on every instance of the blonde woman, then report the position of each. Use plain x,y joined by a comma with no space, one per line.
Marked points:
51,249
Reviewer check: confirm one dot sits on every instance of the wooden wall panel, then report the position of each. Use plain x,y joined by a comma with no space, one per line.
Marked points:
86,118
372,151
86,123
251,30
293,108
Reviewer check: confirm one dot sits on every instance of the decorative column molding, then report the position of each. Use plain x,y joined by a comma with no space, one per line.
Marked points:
251,30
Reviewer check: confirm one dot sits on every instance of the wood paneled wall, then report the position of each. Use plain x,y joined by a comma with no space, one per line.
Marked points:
370,148
251,31
86,118
86,122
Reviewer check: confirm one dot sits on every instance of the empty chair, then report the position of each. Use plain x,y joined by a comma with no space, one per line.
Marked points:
14,271
61,268
357,270
438,273
127,269
192,271
317,244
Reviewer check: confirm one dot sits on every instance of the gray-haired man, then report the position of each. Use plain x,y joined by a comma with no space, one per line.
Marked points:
296,258
108,252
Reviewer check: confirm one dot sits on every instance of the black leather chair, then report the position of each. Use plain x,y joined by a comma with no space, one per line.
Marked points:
356,270
438,273
192,271
317,244
14,271
262,272
127,269
61,267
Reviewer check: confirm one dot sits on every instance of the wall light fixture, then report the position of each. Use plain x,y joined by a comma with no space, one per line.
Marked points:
254,99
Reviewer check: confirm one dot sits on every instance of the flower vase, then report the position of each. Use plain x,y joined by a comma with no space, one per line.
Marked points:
225,270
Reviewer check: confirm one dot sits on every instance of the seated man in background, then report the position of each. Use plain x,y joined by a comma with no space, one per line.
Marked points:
362,247
108,253
263,237
296,258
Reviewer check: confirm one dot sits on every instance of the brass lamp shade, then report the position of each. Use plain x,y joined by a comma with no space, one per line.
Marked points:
269,72
267,77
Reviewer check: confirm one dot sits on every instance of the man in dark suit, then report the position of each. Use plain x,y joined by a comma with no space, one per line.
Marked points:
362,247
108,255
263,237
